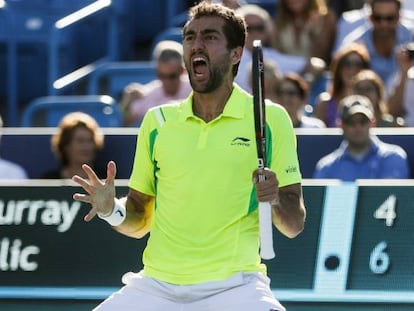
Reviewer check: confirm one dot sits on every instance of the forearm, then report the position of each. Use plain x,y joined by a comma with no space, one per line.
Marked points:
138,217
289,213
395,100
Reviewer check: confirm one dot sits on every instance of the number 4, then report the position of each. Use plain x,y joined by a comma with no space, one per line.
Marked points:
387,210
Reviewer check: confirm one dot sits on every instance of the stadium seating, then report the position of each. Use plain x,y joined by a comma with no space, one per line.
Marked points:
112,77
42,39
48,111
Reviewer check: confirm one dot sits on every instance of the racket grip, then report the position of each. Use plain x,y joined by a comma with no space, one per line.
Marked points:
266,230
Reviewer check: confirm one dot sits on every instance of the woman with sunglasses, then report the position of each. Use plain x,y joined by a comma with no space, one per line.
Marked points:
347,62
369,84
292,93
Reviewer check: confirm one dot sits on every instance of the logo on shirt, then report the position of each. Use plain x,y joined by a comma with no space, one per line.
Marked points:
291,169
240,141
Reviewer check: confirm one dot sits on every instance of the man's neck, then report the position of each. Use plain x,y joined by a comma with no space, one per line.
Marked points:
359,150
209,106
384,45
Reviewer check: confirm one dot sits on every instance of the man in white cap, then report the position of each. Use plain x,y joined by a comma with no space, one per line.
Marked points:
361,155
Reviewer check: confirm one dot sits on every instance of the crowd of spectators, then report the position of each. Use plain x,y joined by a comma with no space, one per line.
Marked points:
316,53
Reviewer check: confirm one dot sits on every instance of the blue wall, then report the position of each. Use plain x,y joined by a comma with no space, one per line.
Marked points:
32,149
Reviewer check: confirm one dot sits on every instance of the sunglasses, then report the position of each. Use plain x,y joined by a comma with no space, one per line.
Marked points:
258,28
365,89
352,63
361,121
168,76
387,18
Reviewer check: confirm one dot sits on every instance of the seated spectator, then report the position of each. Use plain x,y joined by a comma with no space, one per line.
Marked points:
172,84
304,28
347,62
400,101
292,92
259,27
357,20
350,21
369,84
76,142
383,37
10,170
361,155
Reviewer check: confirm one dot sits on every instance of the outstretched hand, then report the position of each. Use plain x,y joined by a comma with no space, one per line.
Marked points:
100,194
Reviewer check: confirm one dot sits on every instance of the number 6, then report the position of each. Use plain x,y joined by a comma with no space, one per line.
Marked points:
379,261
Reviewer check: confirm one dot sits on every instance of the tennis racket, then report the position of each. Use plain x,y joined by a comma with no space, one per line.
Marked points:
265,208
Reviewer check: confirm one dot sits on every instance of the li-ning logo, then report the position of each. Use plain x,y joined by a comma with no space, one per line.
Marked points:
291,169
240,141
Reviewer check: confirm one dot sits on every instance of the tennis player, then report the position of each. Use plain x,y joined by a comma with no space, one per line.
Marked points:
193,186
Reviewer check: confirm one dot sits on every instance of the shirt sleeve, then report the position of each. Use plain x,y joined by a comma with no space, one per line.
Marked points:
143,173
395,166
283,158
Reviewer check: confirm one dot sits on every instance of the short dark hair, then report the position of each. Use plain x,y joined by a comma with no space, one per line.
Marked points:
234,25
397,2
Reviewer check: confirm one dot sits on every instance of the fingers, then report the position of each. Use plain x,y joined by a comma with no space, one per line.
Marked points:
91,174
83,183
82,197
110,172
267,173
266,190
86,199
92,213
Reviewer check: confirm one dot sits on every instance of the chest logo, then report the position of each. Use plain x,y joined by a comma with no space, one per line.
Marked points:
240,141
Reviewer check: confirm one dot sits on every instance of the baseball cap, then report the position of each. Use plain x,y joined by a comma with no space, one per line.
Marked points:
354,104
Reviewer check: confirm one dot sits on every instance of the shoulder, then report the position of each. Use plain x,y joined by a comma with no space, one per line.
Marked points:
275,111
389,150
311,122
158,115
11,170
353,16
359,34
330,159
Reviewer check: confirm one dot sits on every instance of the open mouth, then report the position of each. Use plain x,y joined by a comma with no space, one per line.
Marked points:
199,65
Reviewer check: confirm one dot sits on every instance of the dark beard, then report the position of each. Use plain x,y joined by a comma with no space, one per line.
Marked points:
216,80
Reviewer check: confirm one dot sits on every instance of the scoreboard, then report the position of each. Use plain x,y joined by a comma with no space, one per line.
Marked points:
356,251
364,256
383,240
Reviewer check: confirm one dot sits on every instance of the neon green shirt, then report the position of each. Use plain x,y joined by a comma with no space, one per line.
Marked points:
205,223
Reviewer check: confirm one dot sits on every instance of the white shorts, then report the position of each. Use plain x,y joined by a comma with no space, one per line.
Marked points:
241,292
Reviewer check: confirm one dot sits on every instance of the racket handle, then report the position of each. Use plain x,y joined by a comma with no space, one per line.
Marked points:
266,230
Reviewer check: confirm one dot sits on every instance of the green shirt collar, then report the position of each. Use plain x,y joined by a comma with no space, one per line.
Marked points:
234,107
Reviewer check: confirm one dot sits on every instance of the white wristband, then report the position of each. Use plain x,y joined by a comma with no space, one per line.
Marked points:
117,216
